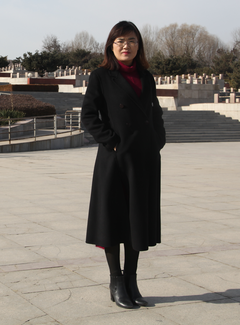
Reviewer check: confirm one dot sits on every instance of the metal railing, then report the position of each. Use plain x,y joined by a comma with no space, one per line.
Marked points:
39,126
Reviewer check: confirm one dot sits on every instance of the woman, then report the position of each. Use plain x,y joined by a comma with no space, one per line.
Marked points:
122,113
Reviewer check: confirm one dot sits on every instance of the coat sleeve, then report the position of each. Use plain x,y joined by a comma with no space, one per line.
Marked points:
158,122
94,114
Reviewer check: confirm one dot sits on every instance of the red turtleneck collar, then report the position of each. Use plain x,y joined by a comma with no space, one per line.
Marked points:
130,73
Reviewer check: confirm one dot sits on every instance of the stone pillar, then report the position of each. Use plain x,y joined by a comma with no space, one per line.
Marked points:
26,74
36,74
215,80
231,90
84,83
65,73
216,98
232,98
18,75
178,79
224,89
159,80
190,78
237,100
221,76
227,101
195,76
168,80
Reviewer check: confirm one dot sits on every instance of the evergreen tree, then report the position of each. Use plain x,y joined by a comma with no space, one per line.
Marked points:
3,62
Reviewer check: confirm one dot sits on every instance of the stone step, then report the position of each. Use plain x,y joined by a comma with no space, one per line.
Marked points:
196,126
200,126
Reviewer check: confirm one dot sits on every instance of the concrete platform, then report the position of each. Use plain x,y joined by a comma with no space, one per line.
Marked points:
49,276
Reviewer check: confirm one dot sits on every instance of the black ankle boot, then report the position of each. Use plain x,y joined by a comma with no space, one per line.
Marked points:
118,292
132,290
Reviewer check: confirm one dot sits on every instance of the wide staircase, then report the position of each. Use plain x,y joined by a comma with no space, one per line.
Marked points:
200,126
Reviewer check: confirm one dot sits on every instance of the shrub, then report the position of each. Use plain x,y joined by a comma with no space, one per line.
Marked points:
6,113
26,104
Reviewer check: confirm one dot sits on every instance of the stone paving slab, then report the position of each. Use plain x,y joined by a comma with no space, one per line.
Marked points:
49,276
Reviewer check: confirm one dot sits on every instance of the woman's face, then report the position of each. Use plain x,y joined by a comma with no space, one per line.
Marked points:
125,48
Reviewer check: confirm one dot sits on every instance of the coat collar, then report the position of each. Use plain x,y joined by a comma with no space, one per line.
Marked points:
127,88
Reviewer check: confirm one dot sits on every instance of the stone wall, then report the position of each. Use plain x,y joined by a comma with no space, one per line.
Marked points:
187,94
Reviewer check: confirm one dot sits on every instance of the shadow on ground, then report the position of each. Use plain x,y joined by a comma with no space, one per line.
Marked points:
225,297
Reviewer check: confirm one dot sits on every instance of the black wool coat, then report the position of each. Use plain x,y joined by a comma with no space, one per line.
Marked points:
125,196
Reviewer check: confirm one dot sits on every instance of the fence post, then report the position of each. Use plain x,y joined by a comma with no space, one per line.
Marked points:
71,123
55,125
65,119
232,97
35,128
9,130
79,121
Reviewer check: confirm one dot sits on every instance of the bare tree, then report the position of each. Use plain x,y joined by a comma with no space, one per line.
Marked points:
167,39
85,41
191,40
51,44
236,39
149,36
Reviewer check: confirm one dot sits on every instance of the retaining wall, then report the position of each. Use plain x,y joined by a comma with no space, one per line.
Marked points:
74,141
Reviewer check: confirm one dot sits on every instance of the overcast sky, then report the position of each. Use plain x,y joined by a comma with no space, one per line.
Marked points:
25,23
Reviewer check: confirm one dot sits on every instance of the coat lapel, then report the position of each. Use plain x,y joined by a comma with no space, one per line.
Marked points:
127,88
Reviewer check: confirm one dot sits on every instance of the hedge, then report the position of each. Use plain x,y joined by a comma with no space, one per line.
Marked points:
43,88
26,104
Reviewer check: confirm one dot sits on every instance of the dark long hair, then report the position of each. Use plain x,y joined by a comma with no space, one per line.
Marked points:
121,29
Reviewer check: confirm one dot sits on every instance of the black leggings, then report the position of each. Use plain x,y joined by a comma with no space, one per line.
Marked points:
113,259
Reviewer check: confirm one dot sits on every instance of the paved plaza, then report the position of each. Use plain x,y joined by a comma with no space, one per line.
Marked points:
49,276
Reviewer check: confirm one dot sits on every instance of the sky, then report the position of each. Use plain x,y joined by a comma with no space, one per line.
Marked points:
24,24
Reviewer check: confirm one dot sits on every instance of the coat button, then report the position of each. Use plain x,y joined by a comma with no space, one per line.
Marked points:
121,105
